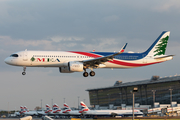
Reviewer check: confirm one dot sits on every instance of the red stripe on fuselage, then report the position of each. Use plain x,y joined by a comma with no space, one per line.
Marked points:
118,62
131,64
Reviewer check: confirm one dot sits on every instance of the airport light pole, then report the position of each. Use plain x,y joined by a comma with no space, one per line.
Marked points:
120,98
135,89
108,99
171,95
153,98
52,102
41,104
8,109
78,102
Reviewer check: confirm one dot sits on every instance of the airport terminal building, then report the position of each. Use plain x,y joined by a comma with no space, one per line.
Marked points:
166,90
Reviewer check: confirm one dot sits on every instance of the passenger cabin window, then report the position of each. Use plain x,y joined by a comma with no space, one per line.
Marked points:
14,55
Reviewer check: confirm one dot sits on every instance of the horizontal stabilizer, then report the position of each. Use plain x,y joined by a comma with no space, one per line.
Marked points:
164,56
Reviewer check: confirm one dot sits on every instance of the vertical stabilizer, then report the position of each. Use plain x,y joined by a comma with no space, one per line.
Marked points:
56,108
67,108
159,46
22,110
26,109
84,107
48,109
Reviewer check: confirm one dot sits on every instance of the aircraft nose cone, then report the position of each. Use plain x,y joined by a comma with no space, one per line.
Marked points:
8,61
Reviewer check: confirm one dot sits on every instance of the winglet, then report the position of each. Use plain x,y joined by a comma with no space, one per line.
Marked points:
123,48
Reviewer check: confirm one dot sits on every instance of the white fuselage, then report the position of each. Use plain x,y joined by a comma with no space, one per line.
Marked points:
111,112
73,113
61,58
30,113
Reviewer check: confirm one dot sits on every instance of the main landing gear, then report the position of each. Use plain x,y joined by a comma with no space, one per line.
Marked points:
24,71
92,73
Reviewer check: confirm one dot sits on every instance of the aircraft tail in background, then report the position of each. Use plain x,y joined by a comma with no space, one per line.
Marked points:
48,109
22,110
56,108
83,107
26,109
67,108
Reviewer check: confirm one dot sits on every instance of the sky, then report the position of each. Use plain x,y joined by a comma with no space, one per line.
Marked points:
80,25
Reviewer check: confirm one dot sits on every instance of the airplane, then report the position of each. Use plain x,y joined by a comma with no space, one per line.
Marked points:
74,61
43,113
48,109
71,112
17,114
31,113
56,109
22,110
111,113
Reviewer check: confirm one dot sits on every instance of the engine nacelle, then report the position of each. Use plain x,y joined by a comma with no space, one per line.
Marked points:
72,67
64,70
76,66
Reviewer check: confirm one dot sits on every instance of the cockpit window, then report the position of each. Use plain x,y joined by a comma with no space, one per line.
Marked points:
14,55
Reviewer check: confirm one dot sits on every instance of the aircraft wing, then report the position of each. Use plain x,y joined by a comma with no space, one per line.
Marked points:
100,60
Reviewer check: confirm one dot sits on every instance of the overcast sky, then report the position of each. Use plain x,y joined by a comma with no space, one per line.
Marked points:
80,25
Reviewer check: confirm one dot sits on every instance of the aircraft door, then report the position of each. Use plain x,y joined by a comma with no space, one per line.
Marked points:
145,60
25,55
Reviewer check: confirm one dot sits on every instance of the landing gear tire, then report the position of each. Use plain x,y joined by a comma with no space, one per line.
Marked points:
23,73
92,73
85,74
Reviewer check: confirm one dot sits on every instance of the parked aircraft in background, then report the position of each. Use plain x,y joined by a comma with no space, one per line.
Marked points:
41,113
56,109
48,109
17,114
30,113
73,61
111,113
22,110
71,112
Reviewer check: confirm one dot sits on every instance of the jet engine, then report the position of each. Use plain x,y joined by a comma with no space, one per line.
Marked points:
72,67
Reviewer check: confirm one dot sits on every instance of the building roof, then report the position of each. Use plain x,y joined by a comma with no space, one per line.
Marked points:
153,80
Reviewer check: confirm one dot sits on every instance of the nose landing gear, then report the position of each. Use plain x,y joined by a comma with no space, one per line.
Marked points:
24,71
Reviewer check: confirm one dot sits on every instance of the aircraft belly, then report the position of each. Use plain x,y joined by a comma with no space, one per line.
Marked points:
38,64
